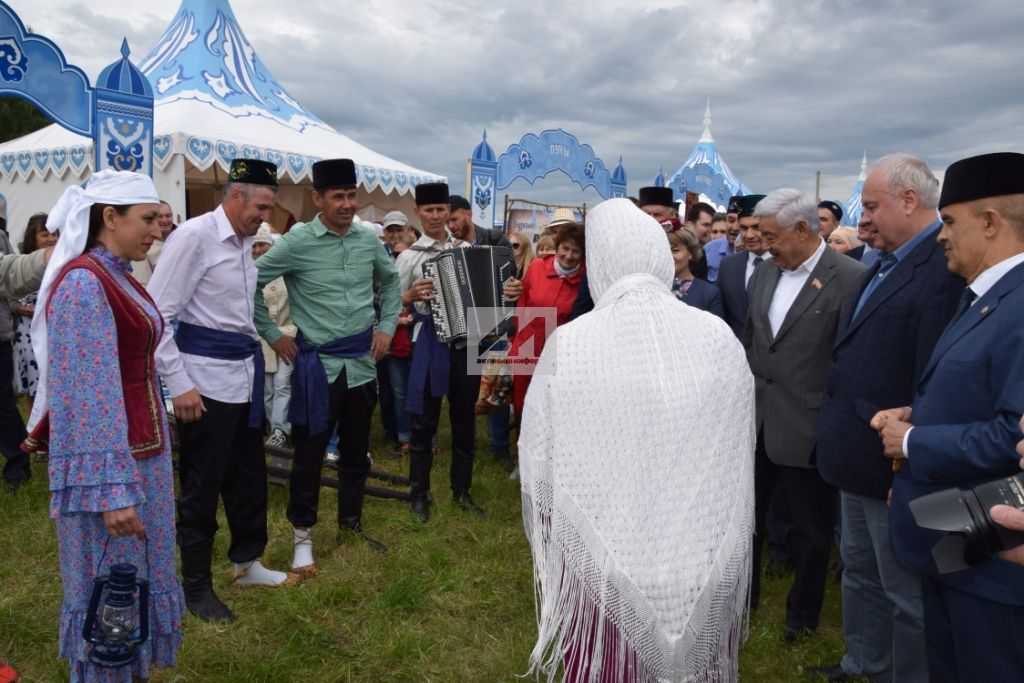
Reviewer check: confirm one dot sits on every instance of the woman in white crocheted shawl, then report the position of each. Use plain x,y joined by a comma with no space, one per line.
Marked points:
637,488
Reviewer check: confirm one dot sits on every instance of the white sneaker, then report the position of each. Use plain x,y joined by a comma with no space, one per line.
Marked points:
277,439
331,457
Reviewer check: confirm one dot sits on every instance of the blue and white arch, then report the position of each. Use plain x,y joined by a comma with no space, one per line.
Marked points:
534,157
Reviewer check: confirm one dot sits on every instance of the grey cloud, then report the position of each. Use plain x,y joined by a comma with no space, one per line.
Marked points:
795,86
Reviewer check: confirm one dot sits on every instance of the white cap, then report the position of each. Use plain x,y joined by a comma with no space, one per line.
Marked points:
395,218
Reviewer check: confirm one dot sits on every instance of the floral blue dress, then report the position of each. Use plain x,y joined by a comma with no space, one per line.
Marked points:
92,471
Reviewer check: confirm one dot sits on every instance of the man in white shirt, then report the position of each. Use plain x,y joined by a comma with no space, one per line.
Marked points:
796,303
213,368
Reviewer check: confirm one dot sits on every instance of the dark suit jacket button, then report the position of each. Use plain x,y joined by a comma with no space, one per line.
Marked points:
771,349
768,381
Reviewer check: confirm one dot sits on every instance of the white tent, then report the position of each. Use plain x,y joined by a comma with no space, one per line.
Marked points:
215,100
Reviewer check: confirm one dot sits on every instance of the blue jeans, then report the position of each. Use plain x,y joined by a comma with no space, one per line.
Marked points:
883,612
277,394
398,369
498,426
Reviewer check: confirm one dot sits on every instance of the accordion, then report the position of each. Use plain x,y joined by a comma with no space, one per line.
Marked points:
471,277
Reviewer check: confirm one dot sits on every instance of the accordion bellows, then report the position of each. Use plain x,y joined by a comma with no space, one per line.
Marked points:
473,277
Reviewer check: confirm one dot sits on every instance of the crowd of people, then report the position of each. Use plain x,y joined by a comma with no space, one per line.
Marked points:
858,370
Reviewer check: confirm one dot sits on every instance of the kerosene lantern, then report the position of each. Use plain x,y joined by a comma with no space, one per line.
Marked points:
117,621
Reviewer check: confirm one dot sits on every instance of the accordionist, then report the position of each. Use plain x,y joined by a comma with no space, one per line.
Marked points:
438,369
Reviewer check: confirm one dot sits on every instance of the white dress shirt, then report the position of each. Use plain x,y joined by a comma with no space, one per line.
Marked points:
992,275
206,277
790,284
766,256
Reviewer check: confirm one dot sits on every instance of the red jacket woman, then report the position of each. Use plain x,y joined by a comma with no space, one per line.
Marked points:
549,282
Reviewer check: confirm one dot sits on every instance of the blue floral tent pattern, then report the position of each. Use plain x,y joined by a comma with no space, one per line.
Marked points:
705,172
215,100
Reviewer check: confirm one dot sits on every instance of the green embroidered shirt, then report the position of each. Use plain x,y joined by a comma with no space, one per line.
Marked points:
330,290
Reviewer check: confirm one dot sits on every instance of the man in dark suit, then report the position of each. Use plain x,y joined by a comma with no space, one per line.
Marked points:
736,269
962,426
901,306
796,303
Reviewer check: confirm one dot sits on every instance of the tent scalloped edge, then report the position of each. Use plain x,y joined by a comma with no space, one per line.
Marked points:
203,153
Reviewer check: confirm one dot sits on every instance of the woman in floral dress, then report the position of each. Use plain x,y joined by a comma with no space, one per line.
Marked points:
98,406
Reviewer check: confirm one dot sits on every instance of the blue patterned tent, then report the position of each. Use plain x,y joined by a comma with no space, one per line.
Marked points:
216,100
852,207
706,172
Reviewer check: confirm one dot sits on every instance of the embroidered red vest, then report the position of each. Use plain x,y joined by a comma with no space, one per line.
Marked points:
137,338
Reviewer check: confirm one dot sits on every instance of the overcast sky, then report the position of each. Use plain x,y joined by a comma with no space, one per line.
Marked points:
795,87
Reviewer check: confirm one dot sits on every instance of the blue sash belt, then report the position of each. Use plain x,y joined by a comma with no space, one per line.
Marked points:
429,357
210,343
309,378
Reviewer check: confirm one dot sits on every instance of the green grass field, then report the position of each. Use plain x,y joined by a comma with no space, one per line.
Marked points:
451,601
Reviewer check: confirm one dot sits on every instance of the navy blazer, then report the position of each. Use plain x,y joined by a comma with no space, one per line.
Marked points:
966,414
877,361
732,283
705,296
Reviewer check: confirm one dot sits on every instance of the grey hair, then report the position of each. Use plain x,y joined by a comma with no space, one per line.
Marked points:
790,206
905,171
247,189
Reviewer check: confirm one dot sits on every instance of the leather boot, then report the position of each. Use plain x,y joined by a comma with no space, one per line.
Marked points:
420,506
419,483
197,584
462,500
350,512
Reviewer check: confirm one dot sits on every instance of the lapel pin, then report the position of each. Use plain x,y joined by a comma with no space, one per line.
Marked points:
984,310
816,283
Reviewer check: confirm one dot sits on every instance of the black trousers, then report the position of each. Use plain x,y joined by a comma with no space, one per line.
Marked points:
386,397
462,392
12,427
812,503
220,455
351,409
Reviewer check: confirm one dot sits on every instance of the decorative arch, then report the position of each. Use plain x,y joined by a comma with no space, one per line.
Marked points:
534,157
117,114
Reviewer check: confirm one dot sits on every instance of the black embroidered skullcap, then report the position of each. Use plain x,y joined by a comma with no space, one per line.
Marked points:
253,172
734,203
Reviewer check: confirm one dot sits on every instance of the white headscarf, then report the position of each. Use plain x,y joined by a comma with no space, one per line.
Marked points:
636,461
71,217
